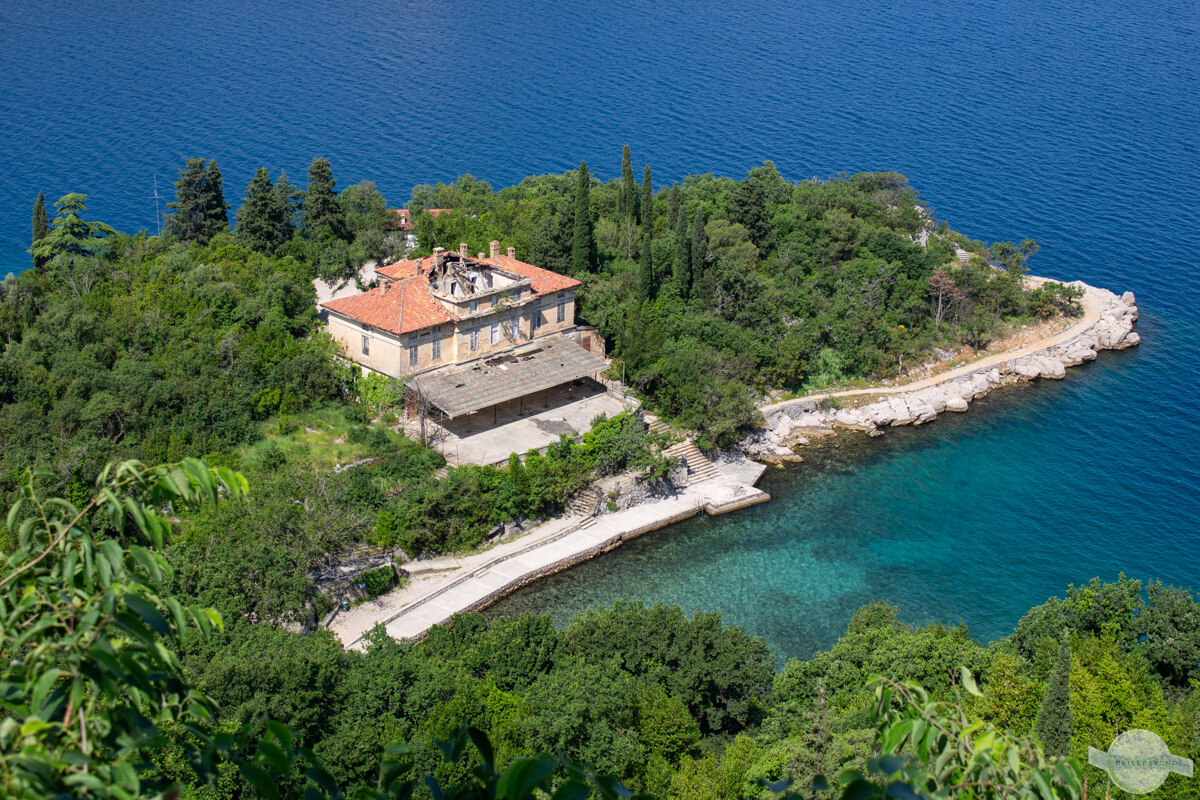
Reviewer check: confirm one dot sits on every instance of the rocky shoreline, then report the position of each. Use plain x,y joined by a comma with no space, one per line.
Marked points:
796,422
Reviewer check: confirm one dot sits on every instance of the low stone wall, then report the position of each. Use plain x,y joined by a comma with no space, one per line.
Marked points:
798,420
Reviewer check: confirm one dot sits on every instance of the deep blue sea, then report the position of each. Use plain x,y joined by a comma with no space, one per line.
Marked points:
1073,123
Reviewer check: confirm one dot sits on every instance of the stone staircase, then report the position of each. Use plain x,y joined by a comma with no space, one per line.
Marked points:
586,502
441,473
699,467
657,425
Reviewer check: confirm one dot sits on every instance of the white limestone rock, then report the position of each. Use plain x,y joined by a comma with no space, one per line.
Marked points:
1051,368
880,413
853,419
900,412
783,427
1026,368
921,410
956,404
934,397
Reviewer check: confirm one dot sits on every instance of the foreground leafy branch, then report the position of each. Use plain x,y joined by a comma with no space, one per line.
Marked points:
91,667
928,750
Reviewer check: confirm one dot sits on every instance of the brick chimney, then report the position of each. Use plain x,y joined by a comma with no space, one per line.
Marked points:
512,252
480,257
438,252
464,250
495,247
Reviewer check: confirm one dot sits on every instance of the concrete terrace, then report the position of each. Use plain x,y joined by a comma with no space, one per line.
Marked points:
446,586
532,422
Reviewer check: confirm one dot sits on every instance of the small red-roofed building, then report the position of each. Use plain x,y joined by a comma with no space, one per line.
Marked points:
402,223
472,332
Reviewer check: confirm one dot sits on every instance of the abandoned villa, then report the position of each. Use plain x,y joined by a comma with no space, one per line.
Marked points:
488,342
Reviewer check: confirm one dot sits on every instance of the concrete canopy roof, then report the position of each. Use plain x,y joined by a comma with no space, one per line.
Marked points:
544,363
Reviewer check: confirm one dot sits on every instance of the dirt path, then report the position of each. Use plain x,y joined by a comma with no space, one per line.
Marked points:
1091,315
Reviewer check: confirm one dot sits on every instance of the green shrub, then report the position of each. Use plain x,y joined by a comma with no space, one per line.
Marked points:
377,581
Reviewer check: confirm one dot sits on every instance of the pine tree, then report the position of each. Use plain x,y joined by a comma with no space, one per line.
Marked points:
1054,721
260,219
647,205
682,267
69,235
628,199
699,246
581,242
200,208
216,210
322,211
40,227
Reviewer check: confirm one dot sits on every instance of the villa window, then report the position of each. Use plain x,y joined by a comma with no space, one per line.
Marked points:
535,321
495,333
437,349
473,307
514,328
475,339
412,355
562,310
366,345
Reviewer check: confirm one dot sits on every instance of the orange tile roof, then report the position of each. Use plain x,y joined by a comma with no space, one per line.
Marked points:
402,307
544,281
405,305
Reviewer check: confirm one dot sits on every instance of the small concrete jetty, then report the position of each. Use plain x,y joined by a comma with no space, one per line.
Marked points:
442,587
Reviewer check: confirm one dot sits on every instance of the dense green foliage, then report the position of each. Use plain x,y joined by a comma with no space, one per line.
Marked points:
457,512
170,350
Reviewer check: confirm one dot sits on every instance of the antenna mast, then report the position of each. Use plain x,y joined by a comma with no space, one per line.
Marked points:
157,213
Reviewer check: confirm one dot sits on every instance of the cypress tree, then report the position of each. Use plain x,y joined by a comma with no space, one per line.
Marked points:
628,199
699,246
647,199
673,208
41,227
646,267
682,267
581,242
322,211
1054,720
260,219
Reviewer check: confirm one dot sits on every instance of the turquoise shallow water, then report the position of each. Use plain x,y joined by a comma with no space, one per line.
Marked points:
1072,122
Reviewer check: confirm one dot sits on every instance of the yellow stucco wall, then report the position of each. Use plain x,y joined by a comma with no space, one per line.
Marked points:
388,353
